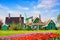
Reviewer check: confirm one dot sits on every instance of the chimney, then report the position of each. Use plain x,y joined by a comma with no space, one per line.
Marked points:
39,16
20,15
20,20
32,18
9,15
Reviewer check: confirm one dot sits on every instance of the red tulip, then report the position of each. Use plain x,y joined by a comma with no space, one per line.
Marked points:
14,39
53,35
29,37
21,38
34,37
38,36
58,35
47,36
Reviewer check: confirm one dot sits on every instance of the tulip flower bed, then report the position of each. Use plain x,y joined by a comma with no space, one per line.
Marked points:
33,36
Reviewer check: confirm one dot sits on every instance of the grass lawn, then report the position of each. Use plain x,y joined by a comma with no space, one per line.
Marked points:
13,32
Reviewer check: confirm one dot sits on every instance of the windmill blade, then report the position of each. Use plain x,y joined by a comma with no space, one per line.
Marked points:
25,15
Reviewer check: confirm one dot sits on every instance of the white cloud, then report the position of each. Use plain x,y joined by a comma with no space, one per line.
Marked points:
8,10
14,13
2,18
47,11
5,10
34,13
1,12
22,8
4,7
50,14
47,4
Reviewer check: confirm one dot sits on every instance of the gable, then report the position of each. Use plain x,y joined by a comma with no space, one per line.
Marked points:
36,20
51,22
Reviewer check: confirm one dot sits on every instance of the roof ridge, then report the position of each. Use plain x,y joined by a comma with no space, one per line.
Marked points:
47,21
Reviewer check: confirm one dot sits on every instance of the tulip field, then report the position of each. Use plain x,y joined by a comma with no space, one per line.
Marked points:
33,36
30,35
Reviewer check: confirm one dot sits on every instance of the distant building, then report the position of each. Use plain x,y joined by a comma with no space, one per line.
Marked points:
17,20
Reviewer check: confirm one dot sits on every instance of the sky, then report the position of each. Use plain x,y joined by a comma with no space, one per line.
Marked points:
48,9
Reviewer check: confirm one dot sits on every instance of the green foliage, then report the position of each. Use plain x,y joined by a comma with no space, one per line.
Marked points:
13,32
14,26
17,27
58,28
58,18
1,23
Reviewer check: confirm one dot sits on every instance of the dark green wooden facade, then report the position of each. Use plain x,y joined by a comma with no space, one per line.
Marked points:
51,25
36,20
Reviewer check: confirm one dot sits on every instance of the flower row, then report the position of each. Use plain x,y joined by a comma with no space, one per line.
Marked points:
33,36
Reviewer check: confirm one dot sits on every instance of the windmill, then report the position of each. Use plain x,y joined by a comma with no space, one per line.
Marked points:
27,19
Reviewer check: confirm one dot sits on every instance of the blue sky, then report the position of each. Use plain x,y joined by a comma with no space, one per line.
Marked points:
49,9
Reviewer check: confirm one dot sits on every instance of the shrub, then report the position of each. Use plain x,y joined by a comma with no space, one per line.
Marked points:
14,26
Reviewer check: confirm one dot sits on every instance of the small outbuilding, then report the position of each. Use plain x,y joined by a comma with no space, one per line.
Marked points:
4,27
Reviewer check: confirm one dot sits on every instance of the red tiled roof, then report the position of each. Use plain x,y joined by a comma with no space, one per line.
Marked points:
40,22
46,22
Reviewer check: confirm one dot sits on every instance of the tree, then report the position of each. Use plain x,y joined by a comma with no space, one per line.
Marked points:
14,26
58,18
1,23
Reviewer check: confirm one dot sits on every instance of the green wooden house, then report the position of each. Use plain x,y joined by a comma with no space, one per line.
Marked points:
35,26
38,23
51,25
35,22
